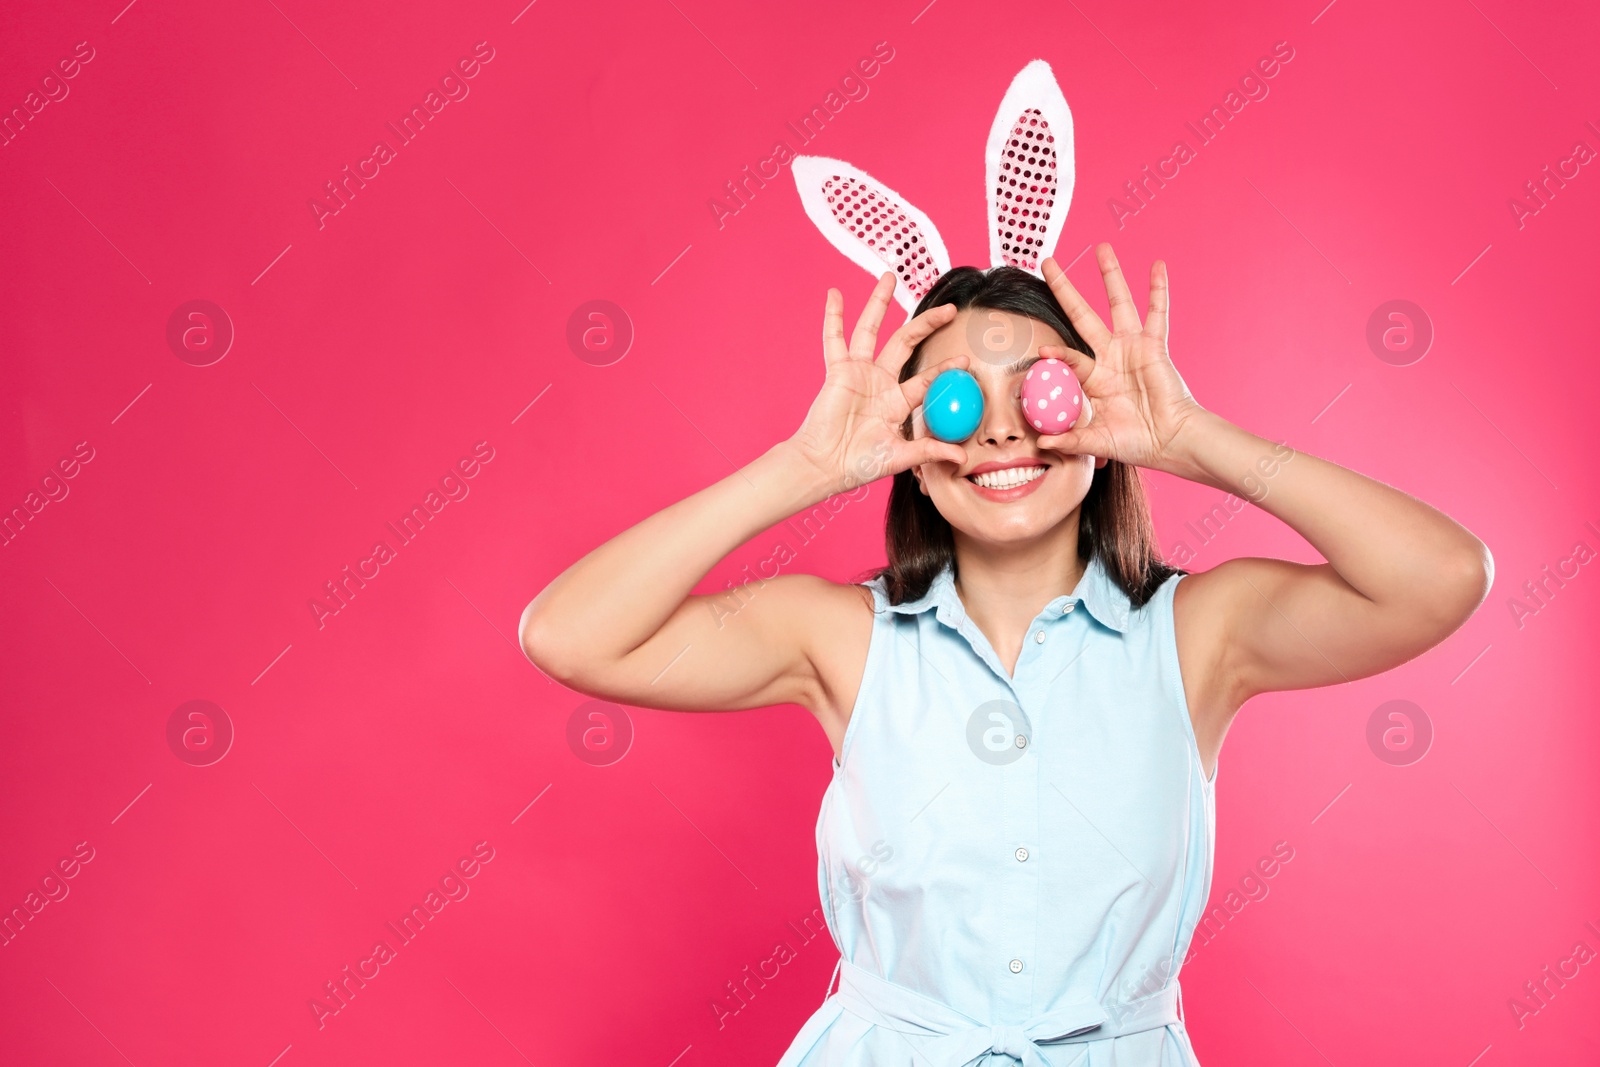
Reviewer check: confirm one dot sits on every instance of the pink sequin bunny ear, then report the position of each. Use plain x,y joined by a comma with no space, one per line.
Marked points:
1028,166
873,225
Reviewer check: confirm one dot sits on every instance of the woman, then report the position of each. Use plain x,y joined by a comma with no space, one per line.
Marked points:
1016,843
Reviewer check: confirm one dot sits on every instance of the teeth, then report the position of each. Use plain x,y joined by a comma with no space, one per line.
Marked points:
1009,478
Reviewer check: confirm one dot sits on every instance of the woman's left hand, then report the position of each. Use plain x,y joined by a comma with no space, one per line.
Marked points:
1138,405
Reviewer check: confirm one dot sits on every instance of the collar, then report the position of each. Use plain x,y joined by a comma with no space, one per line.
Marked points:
1096,591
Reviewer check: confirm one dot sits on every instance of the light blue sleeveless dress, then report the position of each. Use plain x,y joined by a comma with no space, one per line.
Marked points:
1012,867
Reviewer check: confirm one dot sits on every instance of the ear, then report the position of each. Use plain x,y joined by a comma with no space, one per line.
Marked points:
1028,166
1099,461
871,224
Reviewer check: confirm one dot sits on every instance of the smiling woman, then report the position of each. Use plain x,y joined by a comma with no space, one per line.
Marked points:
1025,658
1019,309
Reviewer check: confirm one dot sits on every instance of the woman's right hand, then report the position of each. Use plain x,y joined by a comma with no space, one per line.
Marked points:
852,434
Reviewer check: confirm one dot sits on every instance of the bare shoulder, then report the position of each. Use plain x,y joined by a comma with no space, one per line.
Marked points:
1211,610
1199,608
1210,600
1227,581
832,623
1208,605
1205,610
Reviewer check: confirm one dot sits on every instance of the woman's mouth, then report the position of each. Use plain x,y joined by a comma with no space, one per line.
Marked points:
1004,484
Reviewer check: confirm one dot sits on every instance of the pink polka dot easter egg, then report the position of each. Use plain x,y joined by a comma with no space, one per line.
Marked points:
1051,398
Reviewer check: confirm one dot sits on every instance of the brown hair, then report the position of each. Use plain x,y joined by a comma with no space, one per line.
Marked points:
1114,518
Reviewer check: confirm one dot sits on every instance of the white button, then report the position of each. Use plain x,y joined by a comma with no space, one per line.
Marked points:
1022,855
1016,966
1022,742
1068,609
1038,637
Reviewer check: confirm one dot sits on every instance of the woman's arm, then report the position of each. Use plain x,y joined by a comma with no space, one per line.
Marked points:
620,623
1401,576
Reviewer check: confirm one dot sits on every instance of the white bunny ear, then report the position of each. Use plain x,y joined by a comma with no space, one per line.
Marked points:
872,224
1028,166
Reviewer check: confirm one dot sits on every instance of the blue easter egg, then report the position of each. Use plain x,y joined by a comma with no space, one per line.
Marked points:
954,406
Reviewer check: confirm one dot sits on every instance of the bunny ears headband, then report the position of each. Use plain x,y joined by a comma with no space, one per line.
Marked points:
1028,173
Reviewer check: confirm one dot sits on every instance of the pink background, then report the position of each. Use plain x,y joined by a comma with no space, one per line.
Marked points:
374,752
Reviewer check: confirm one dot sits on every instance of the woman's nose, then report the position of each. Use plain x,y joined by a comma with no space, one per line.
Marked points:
1002,414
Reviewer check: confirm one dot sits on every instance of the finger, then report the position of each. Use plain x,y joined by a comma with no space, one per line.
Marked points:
915,388
833,348
1078,441
1083,365
909,336
932,450
1079,313
1124,314
1155,323
864,341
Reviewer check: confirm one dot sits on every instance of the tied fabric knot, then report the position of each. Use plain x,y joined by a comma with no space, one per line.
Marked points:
956,1039
1013,1041
1019,1042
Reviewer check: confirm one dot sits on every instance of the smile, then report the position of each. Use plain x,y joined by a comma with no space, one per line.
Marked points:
1007,483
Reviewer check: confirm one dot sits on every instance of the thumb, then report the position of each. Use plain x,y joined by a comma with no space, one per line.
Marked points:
1078,441
932,450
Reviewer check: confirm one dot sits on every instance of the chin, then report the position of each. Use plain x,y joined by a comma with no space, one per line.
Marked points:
1012,517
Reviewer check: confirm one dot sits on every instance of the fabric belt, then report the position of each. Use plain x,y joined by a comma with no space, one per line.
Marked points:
958,1039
